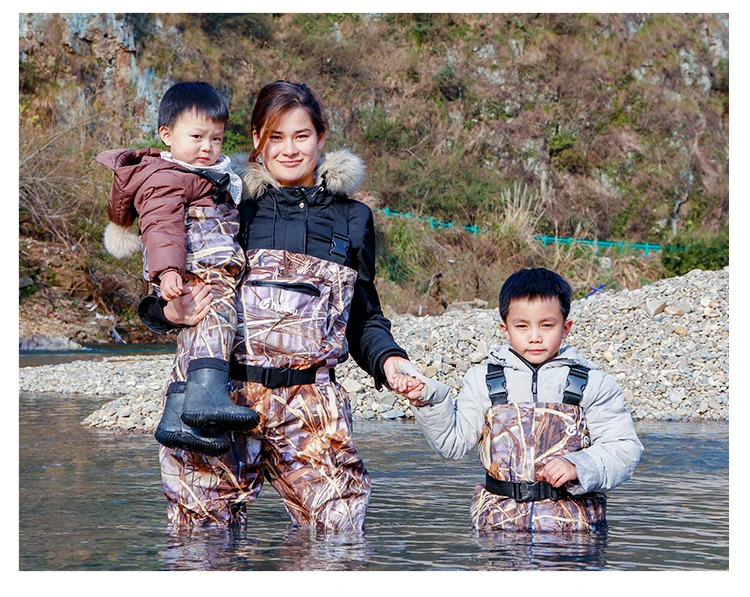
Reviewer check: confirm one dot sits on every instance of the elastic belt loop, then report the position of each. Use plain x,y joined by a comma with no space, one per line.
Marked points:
208,363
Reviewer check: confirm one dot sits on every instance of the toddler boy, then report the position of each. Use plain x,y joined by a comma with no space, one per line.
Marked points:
185,201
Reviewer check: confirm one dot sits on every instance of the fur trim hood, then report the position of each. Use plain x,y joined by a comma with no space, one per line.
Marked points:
338,171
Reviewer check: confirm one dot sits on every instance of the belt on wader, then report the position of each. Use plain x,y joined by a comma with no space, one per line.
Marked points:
524,491
275,377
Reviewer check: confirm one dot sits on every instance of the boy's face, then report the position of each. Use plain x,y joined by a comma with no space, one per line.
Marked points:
535,328
194,139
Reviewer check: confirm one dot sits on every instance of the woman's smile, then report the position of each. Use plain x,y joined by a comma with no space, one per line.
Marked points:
292,149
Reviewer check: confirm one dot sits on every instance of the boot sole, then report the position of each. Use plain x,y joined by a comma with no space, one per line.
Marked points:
182,441
221,421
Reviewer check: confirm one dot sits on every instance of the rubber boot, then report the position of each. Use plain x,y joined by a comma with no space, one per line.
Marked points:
172,432
207,402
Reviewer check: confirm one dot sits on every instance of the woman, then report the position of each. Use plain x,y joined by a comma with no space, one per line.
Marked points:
307,300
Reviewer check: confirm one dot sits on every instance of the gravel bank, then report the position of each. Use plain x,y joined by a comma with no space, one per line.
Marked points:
666,343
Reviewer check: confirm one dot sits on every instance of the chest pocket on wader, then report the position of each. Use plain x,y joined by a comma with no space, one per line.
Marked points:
288,315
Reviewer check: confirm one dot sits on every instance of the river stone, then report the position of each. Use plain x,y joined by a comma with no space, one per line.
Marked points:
654,361
352,386
655,306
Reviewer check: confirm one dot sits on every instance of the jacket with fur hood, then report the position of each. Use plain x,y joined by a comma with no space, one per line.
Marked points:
156,192
454,426
300,220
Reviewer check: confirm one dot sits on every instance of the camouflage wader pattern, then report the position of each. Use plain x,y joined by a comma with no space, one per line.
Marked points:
213,256
518,440
292,311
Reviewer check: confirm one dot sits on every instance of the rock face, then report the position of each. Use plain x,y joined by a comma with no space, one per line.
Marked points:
37,342
672,363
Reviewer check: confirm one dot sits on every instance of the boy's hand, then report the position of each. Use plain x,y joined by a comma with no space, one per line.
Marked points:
170,284
557,472
191,307
398,382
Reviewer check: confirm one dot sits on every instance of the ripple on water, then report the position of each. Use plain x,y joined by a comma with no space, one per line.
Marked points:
91,500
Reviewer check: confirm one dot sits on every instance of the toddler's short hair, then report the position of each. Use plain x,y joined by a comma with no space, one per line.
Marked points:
535,283
190,96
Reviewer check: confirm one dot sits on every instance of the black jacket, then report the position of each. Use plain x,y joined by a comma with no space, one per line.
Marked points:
301,220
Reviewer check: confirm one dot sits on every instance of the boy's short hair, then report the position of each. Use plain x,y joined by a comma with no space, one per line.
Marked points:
190,96
535,283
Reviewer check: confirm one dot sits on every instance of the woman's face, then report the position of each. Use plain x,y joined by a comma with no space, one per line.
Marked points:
291,152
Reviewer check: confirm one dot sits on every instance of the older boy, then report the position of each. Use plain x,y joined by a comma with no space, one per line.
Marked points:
552,430
185,201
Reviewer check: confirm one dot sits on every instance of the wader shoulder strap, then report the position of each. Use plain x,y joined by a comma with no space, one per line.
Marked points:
578,377
496,384
340,239
220,180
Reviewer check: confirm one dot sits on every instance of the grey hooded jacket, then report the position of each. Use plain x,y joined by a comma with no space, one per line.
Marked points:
453,426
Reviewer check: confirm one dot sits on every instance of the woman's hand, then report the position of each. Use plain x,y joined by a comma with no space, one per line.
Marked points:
189,308
398,382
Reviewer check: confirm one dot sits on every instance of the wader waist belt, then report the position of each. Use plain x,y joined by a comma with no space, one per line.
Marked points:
275,377
523,491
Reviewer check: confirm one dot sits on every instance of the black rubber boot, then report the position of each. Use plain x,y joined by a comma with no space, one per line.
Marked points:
173,433
207,402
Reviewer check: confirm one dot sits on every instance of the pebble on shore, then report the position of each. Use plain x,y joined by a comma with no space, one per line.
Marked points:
667,344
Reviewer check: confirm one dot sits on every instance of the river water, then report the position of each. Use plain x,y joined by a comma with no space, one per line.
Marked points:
91,500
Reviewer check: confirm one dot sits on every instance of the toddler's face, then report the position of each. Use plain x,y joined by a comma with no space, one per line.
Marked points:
194,139
535,328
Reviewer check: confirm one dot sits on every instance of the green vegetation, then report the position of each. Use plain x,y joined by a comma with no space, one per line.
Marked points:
598,126
684,254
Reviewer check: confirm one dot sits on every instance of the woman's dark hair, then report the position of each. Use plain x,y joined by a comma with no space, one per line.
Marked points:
535,283
192,96
274,101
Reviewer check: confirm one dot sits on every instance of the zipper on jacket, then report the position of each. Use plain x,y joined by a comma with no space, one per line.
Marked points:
534,371
301,287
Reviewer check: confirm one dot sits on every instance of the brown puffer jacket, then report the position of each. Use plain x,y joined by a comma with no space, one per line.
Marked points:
156,192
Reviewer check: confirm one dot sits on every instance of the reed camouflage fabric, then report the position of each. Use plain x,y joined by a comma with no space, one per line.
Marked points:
518,440
292,310
215,257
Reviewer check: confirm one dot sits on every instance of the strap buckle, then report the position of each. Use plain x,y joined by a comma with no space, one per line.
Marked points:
496,384
575,384
339,246
525,491
276,378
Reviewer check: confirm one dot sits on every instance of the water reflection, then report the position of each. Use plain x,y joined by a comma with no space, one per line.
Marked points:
91,500
534,551
234,548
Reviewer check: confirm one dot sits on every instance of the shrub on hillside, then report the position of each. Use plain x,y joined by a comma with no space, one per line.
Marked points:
685,253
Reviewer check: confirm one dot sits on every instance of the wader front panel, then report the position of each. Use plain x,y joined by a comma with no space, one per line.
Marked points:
518,440
292,311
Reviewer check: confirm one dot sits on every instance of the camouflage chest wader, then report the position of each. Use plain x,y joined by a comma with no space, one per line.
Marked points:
214,257
292,316
518,440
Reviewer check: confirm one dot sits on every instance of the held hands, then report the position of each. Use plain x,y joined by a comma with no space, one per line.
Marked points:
189,308
557,472
398,381
170,284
